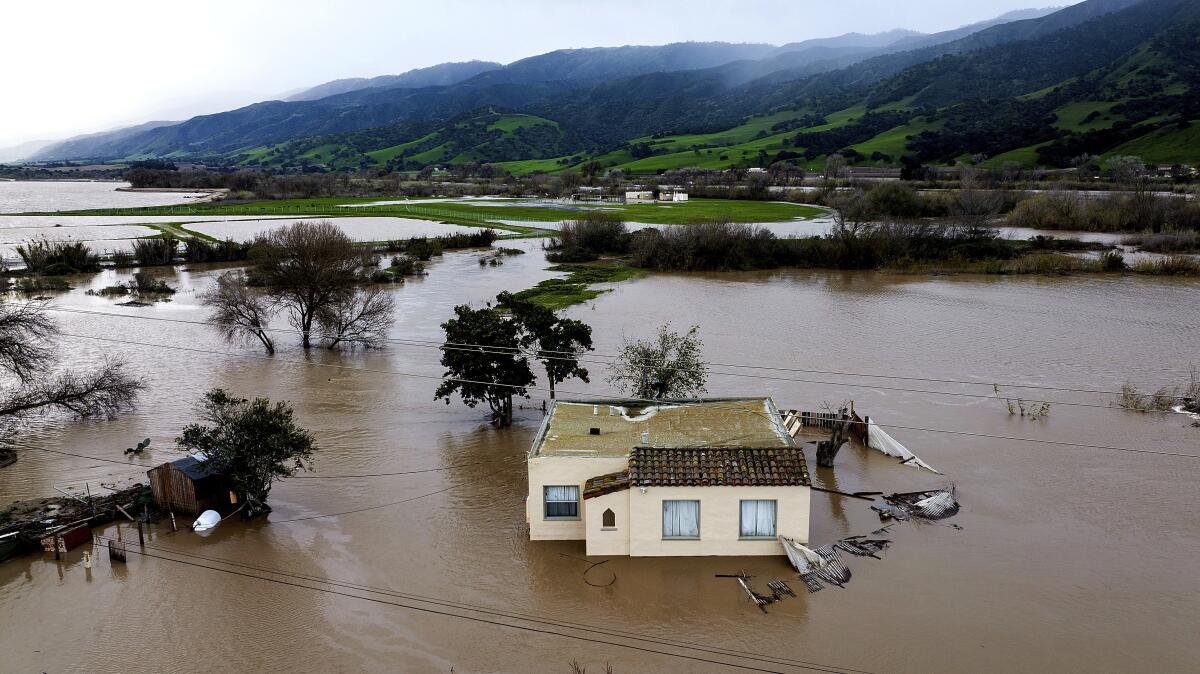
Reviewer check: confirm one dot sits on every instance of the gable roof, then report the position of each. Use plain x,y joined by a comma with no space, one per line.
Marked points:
718,467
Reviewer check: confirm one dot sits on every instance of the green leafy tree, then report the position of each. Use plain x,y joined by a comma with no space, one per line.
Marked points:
668,366
483,361
556,342
252,442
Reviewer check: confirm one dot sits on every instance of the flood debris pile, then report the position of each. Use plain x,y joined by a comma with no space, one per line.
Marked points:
824,565
779,590
931,505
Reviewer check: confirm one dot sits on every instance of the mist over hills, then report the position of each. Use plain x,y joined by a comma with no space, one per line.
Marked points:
1031,86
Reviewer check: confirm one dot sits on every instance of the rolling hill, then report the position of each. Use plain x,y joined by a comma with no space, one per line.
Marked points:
1038,86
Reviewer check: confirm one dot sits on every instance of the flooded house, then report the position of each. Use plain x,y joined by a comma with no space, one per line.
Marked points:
718,476
188,486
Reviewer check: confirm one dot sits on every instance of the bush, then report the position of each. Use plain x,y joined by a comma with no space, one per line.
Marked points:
144,283
1175,265
57,257
595,232
710,246
200,250
156,251
1164,243
403,265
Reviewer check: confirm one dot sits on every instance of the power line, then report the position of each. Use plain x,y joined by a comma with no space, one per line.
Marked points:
488,611
584,356
508,350
593,396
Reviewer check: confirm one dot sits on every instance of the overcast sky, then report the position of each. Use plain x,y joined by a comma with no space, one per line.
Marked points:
81,66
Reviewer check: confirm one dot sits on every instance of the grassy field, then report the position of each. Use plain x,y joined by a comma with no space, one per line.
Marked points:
1071,117
485,214
894,142
1170,145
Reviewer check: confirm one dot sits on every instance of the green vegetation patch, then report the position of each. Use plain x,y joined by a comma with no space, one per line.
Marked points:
558,293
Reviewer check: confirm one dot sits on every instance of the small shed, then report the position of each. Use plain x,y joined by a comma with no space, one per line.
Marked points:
189,487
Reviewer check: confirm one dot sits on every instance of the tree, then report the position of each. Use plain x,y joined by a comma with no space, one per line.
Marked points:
253,443
556,341
835,164
240,312
669,366
310,269
483,361
27,384
360,319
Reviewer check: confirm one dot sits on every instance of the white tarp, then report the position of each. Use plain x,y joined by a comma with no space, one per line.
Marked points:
877,438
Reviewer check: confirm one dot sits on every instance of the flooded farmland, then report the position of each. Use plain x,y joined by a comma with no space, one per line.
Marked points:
1063,550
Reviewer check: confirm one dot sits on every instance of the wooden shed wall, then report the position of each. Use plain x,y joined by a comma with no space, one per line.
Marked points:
174,490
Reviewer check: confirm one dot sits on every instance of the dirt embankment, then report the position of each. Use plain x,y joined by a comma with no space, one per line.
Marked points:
210,194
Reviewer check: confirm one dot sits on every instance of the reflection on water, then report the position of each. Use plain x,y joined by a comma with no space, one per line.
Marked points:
1053,538
45,195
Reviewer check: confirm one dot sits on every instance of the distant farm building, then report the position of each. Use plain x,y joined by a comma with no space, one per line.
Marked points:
685,478
189,487
639,197
672,194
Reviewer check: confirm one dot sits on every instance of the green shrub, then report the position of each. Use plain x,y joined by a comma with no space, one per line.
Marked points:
66,257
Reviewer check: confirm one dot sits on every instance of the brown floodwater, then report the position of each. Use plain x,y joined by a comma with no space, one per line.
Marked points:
1068,558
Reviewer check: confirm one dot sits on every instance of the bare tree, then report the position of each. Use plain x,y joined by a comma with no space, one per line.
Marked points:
835,164
975,207
240,312
25,334
308,268
27,386
669,366
359,318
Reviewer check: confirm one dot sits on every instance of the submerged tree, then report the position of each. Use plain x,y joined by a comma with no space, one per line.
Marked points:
252,442
240,312
555,342
28,385
361,318
483,361
308,268
668,366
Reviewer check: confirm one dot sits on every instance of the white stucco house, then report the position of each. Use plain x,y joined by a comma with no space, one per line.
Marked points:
681,478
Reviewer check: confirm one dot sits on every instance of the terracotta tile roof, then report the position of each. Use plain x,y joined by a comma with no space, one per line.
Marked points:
606,484
717,467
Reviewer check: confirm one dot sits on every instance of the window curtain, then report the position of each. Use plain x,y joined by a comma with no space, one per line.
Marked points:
681,519
758,519
562,501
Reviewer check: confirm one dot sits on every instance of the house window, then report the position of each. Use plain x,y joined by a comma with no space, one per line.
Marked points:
758,519
561,502
681,519
608,520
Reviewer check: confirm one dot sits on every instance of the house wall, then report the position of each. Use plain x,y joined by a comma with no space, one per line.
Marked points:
720,510
561,471
612,540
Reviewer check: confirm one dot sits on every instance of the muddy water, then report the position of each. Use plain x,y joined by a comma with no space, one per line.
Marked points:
1067,559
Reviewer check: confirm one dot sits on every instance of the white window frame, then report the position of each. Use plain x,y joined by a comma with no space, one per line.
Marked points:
546,502
742,524
665,537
